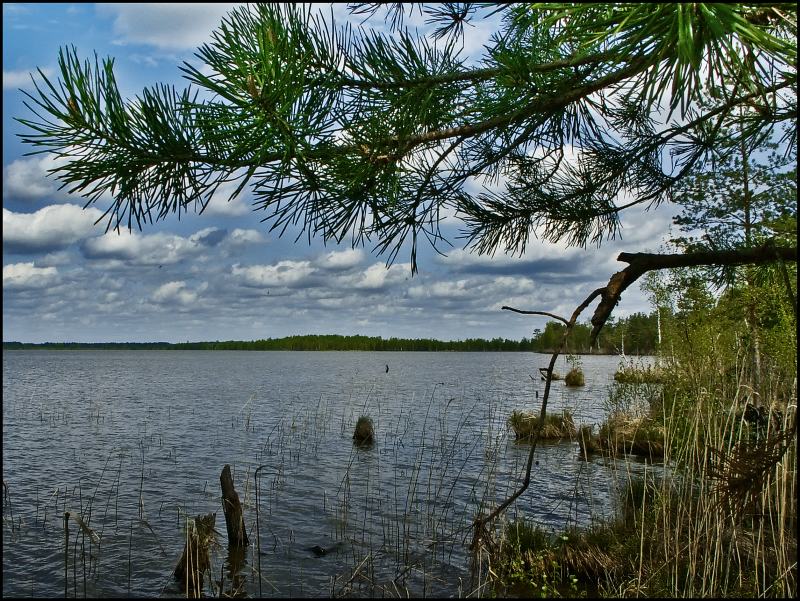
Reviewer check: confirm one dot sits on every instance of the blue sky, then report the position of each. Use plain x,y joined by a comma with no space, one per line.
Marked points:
222,275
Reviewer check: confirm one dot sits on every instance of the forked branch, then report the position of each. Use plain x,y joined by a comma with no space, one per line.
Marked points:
638,264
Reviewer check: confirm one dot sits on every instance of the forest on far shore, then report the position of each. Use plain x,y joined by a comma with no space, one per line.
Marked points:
636,335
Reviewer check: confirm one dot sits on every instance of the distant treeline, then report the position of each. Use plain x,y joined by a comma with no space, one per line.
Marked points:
330,342
635,335
638,332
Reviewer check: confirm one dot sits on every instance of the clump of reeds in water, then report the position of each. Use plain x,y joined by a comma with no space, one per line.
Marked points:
629,374
531,562
364,433
575,377
555,426
587,442
623,433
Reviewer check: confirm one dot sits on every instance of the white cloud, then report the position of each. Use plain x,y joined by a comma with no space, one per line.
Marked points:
341,260
174,292
25,276
283,273
440,290
221,207
22,78
242,236
28,178
209,236
50,228
171,26
377,276
153,249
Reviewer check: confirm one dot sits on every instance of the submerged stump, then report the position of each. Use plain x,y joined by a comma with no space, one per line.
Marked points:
234,516
195,560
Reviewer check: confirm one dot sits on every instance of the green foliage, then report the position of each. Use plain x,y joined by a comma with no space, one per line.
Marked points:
744,196
637,333
529,566
374,137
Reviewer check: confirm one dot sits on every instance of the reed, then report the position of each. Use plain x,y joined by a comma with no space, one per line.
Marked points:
364,433
526,425
720,519
575,377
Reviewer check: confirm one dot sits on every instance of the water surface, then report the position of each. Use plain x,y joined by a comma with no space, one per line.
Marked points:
134,442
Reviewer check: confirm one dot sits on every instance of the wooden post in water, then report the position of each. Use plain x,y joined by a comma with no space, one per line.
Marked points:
195,559
234,517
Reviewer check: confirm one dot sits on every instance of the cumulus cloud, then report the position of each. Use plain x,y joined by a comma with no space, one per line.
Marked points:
377,276
151,249
281,274
176,292
220,206
170,26
210,236
341,260
26,276
241,236
27,178
51,228
450,289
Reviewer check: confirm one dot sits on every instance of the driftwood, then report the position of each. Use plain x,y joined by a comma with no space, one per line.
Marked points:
234,517
195,560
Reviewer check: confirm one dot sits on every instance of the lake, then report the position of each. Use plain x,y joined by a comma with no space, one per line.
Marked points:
134,442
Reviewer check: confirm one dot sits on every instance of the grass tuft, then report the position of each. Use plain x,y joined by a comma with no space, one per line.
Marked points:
555,426
365,431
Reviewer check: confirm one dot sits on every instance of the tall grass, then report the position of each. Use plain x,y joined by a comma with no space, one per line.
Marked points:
717,518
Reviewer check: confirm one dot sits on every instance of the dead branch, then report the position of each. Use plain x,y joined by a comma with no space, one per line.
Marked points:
641,263
480,521
638,264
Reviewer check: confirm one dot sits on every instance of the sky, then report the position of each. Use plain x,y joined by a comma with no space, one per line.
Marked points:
222,275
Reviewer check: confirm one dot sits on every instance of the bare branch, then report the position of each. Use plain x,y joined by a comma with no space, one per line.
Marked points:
641,263
553,315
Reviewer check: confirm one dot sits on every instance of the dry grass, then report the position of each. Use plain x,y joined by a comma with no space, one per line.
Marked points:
639,375
622,433
555,426
575,377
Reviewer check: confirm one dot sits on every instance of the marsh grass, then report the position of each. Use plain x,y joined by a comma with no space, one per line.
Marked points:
622,433
555,426
630,374
718,516
575,377
364,433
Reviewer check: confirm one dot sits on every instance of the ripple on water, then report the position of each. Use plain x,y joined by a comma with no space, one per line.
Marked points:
79,427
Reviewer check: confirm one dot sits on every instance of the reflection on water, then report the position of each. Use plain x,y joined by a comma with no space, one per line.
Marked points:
134,443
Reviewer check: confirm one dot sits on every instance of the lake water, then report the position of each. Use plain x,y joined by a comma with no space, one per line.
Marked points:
134,442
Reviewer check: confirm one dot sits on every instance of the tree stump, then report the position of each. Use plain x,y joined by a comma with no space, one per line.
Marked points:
234,517
195,559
